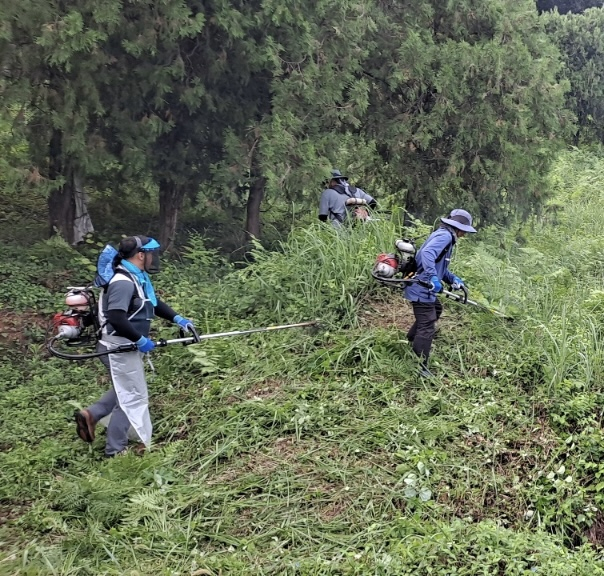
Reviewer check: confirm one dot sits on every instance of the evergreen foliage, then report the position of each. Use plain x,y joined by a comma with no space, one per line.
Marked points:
466,104
247,103
580,38
566,6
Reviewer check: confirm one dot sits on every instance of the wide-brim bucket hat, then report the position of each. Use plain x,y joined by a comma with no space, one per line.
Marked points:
460,219
337,175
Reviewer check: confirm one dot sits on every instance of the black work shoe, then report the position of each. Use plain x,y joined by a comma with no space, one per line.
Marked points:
425,373
122,452
137,450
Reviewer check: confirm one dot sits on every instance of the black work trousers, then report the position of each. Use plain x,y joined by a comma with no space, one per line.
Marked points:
422,332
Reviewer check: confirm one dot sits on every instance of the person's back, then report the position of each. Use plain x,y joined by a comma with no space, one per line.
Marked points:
432,259
341,199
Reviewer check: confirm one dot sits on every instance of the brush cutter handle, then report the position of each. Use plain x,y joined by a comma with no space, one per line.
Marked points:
184,340
465,294
401,281
124,348
463,299
457,297
196,338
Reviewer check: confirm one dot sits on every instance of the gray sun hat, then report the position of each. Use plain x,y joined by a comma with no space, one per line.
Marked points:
336,175
459,219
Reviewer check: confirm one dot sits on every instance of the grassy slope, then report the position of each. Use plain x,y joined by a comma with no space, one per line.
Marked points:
301,453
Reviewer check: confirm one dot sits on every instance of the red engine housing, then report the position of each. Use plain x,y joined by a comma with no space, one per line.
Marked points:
68,325
390,259
386,265
65,319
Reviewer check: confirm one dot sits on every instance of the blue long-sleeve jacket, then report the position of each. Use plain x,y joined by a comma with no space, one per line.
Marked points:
427,266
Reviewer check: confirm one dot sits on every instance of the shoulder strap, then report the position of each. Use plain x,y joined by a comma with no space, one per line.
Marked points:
446,248
138,291
121,270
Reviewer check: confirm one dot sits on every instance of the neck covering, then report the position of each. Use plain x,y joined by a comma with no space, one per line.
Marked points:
342,188
143,279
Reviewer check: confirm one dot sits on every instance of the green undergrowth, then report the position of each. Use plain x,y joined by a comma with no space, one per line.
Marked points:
321,452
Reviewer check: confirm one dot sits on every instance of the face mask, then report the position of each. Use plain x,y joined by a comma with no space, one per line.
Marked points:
152,264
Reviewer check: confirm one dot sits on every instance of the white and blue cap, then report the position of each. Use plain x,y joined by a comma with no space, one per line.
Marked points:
150,244
460,219
133,244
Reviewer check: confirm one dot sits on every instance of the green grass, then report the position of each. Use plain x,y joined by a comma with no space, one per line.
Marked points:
323,473
322,453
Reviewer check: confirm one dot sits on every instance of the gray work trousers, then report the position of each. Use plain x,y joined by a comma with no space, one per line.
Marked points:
117,429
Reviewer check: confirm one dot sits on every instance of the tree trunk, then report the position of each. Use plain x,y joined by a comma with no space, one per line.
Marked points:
67,204
577,137
82,224
254,200
171,198
61,204
413,206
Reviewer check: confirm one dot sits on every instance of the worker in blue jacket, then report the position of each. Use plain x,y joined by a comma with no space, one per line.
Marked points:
433,268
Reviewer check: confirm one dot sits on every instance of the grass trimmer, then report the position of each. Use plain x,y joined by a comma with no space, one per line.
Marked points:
389,266
465,300
78,329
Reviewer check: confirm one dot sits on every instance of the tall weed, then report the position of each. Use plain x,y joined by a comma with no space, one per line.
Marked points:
319,271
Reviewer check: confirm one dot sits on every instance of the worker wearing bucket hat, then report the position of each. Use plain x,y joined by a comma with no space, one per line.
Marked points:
340,201
433,268
460,220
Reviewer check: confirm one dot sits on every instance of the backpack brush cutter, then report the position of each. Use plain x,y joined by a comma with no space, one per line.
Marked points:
388,266
79,328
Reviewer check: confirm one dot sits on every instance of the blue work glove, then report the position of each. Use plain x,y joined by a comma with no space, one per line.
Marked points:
436,284
144,344
457,283
185,324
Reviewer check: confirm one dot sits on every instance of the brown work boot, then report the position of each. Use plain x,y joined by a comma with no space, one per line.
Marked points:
85,425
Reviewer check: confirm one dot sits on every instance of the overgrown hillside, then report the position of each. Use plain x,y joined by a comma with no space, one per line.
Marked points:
322,453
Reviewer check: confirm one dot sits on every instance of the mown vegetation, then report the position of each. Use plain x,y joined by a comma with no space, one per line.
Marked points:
212,124
321,452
